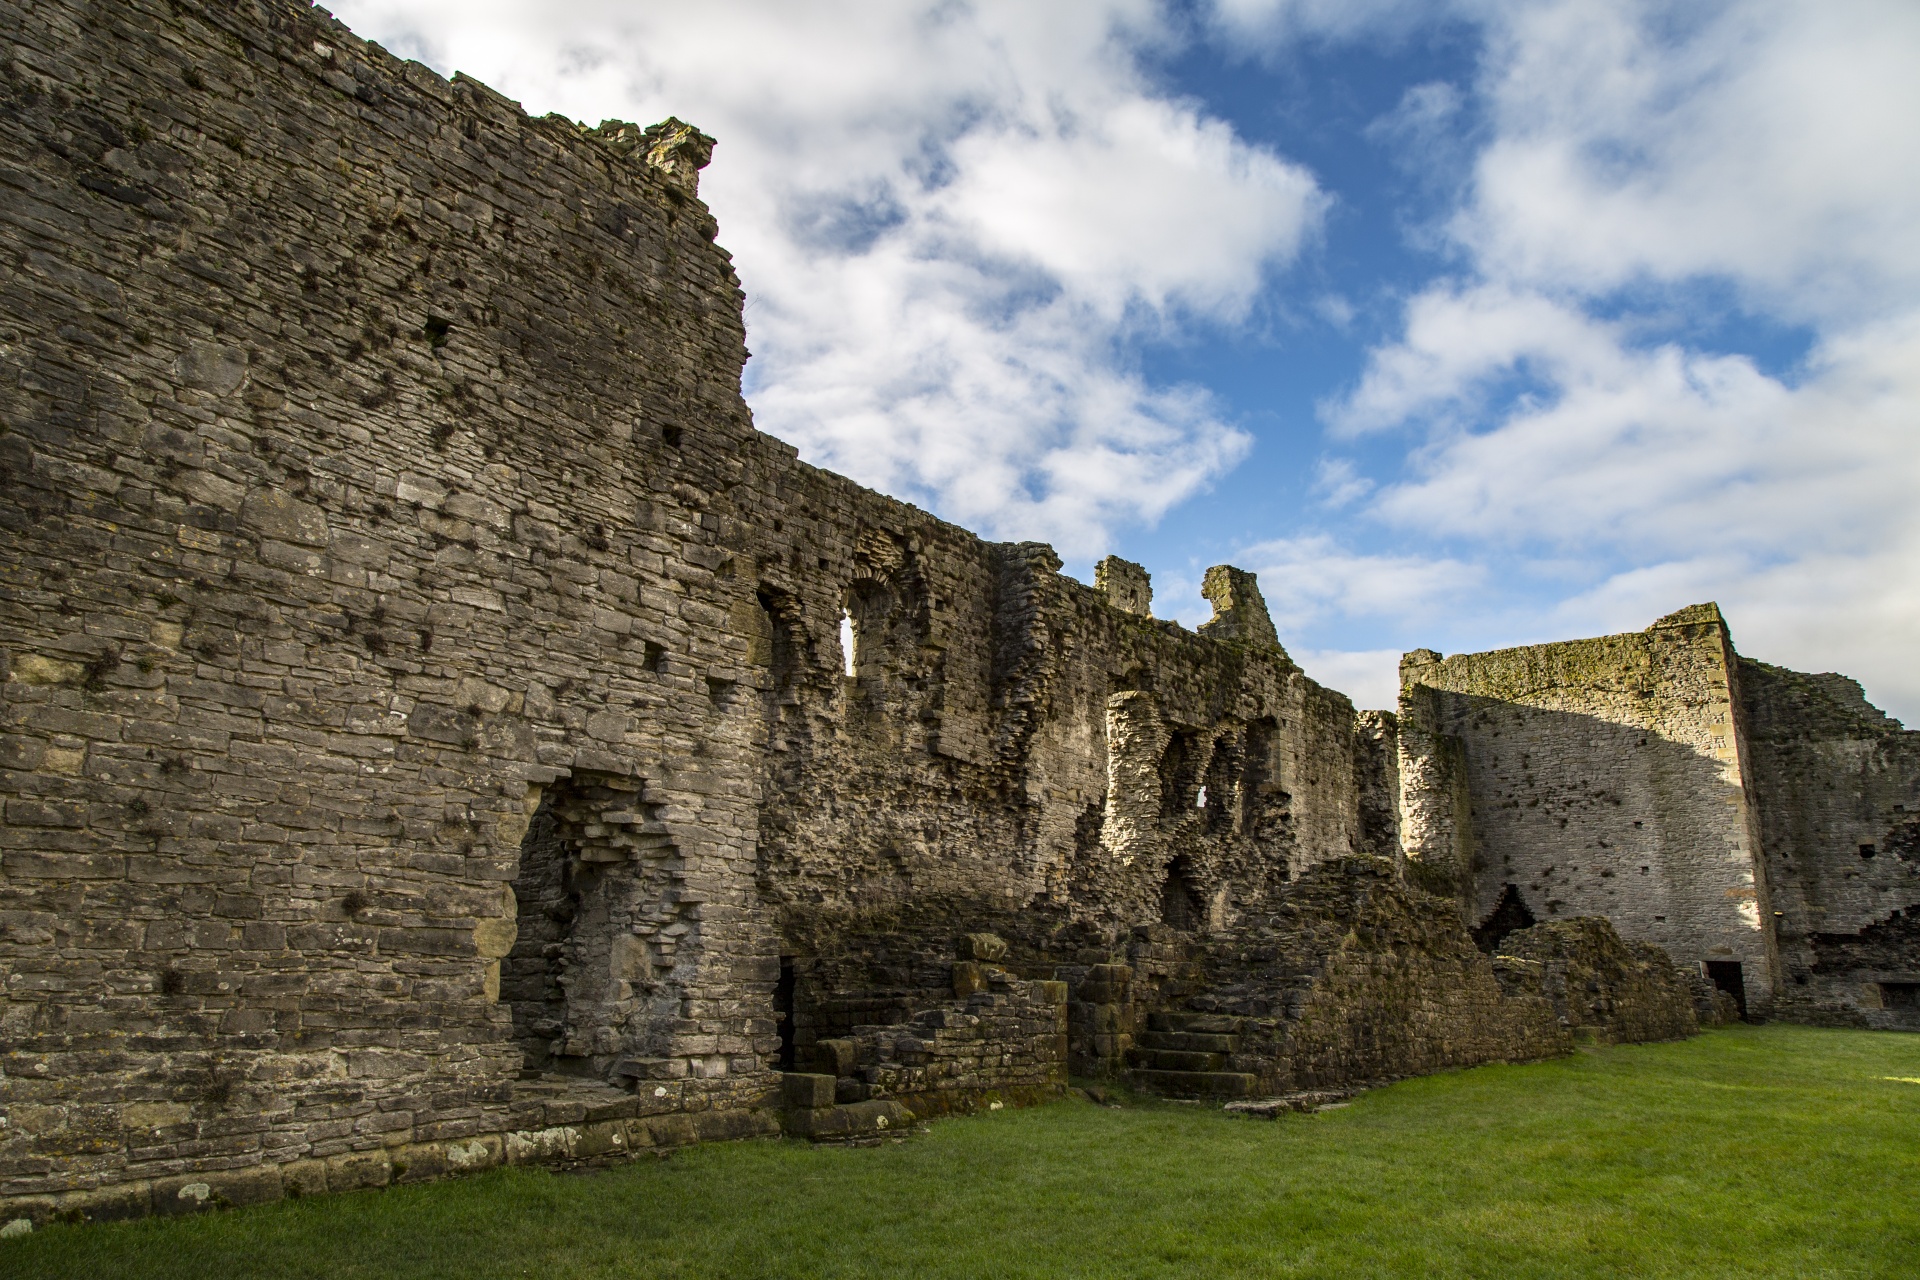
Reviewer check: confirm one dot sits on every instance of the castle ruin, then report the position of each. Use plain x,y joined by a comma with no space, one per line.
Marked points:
427,739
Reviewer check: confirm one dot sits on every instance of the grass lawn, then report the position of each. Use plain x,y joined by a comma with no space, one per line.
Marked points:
1779,1151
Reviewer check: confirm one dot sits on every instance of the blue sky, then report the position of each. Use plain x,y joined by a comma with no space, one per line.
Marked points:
1463,323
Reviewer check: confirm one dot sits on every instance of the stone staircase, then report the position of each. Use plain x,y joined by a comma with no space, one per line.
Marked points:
1184,1055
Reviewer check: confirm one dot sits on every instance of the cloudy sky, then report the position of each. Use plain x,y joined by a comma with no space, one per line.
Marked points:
1464,324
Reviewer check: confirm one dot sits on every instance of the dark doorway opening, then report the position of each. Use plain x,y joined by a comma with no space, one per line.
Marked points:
531,974
1900,995
1180,904
783,1008
1726,975
1509,915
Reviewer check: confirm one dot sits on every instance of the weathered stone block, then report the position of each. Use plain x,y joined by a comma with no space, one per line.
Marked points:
968,977
806,1090
835,1057
849,1121
984,946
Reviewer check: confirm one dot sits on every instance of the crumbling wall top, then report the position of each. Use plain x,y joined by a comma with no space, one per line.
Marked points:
1126,584
1239,611
674,147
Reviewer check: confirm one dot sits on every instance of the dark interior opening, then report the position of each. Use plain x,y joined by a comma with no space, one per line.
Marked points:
1179,773
1509,915
1900,995
783,1008
1180,904
1225,768
530,974
1726,975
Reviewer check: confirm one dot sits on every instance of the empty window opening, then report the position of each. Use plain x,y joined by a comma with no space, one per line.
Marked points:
1180,772
1221,781
780,643
654,657
1900,995
1866,851
1181,906
872,639
1509,915
783,1010
1728,976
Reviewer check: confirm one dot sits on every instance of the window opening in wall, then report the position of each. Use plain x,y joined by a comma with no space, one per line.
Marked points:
1180,904
783,1010
1866,851
1222,788
1900,995
1509,915
785,646
1179,772
1727,975
849,636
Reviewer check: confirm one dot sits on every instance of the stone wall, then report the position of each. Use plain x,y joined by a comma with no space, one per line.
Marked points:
1594,778
1601,988
1837,791
427,740
423,693
1357,977
369,461
1727,810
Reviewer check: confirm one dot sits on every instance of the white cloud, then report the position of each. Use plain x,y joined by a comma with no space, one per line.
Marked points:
1309,578
1768,143
1272,23
950,221
1424,121
1337,483
1661,449
1371,677
1637,154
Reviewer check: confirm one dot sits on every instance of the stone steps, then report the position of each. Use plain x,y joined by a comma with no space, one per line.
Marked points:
1156,1059
1194,1084
1184,1055
1203,1023
1188,1041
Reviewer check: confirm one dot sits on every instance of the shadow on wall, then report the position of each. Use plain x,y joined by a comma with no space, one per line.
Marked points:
1575,815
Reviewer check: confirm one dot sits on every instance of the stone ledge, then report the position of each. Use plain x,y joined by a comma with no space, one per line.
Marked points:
392,1166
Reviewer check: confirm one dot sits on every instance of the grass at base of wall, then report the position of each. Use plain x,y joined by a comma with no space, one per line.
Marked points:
1758,1150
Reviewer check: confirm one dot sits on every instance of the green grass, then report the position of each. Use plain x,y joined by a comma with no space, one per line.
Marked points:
1779,1151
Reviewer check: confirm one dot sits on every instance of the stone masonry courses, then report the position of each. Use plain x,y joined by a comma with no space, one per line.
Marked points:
427,740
